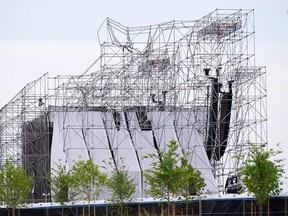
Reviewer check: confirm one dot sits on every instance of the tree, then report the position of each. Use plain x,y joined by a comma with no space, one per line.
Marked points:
261,174
15,185
86,180
121,186
192,181
60,182
164,176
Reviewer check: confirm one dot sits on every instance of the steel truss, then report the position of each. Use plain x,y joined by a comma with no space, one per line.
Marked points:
206,66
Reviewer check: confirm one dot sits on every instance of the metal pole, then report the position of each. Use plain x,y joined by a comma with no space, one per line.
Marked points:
285,207
243,207
46,195
200,207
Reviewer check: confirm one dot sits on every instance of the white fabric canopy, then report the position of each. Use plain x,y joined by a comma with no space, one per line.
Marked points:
97,135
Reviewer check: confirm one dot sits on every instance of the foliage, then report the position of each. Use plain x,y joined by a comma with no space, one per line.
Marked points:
86,180
171,174
164,175
192,181
121,185
261,174
15,184
60,182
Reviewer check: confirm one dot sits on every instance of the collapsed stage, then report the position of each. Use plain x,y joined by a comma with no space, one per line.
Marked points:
192,81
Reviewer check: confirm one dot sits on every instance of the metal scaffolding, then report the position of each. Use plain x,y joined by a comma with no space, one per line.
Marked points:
204,67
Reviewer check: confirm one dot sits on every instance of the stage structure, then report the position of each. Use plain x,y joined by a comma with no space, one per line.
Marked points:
192,81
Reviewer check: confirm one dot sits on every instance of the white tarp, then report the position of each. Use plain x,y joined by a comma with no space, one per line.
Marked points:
189,140
163,127
97,135
143,144
123,150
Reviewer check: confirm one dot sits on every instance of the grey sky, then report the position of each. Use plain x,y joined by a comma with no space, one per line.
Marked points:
59,37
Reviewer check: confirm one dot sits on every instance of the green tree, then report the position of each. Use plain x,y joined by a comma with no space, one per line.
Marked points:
164,176
86,181
261,174
60,182
192,181
121,186
15,185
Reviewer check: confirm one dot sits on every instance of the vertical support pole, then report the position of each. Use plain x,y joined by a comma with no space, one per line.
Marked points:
285,206
252,207
243,207
200,207
77,214
268,207
139,209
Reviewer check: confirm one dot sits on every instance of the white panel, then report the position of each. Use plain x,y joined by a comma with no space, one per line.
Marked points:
123,148
75,144
79,136
57,146
186,131
201,117
163,127
97,141
190,141
84,135
143,142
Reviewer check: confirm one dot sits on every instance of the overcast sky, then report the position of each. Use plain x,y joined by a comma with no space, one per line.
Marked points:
59,37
